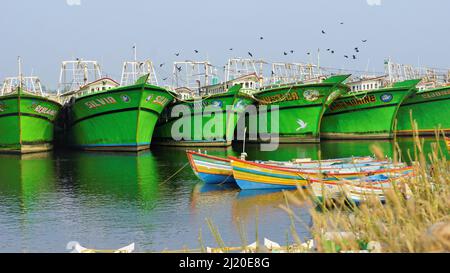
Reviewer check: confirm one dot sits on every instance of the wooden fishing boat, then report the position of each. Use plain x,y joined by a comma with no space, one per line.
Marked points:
358,190
211,169
252,175
217,170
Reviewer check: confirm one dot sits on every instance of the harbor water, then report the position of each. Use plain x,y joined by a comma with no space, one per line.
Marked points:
108,200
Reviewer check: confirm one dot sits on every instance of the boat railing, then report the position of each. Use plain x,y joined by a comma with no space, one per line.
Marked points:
30,85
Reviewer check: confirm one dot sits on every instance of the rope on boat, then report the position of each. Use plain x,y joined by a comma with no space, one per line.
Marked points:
184,166
226,178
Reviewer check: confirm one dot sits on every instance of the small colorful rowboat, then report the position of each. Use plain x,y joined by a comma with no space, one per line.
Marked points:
358,190
252,175
211,169
217,170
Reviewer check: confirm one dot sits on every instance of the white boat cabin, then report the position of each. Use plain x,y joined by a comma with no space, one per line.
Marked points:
366,83
99,85
250,84
184,93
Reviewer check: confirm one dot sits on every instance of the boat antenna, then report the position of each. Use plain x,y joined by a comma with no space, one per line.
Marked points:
368,65
318,59
244,154
19,60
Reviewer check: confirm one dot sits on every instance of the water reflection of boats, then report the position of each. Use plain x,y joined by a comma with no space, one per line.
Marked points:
26,176
265,201
127,176
212,193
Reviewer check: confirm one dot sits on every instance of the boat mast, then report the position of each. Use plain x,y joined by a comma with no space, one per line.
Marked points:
192,75
19,60
75,74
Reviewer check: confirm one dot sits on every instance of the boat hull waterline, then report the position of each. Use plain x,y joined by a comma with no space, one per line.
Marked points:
27,123
300,109
366,115
120,119
225,108
250,175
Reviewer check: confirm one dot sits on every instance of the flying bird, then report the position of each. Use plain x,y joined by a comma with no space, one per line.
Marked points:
332,51
346,56
231,48
308,53
342,23
364,41
161,65
323,32
285,53
249,53
292,51
177,54
328,49
196,51
354,57
261,37
178,68
164,79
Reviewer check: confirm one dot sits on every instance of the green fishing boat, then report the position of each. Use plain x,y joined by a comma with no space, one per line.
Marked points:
301,106
210,113
108,116
27,116
430,108
368,111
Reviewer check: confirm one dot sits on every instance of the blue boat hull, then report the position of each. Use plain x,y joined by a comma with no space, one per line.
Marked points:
215,178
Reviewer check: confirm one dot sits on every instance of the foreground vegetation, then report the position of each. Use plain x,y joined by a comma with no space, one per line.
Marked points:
414,218
418,223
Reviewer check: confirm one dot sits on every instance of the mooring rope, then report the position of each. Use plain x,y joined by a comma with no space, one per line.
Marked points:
184,166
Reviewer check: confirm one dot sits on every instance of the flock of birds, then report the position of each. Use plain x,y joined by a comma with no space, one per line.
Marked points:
285,53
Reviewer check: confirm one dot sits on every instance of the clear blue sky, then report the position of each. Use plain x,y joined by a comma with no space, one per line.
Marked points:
46,32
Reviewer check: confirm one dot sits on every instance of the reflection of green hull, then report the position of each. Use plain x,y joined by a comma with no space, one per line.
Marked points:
28,177
430,108
123,176
368,115
200,135
301,107
26,123
120,119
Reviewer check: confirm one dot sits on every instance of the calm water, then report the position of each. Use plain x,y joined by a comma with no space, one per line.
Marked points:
108,200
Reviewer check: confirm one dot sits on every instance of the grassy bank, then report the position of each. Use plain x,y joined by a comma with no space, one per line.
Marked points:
418,223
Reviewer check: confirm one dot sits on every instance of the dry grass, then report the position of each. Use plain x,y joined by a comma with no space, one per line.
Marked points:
420,223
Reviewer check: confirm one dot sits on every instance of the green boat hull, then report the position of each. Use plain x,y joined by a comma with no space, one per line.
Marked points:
300,110
200,135
429,108
119,119
368,115
27,123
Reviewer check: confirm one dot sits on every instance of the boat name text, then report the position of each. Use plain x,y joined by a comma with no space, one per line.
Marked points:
100,102
290,96
44,110
352,102
436,94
